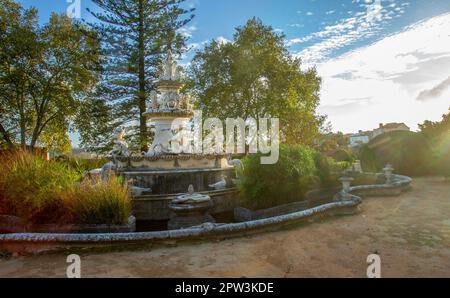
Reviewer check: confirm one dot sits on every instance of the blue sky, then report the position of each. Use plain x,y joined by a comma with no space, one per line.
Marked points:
380,60
296,18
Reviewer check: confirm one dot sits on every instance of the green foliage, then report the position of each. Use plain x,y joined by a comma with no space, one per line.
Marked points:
327,170
255,76
438,134
369,161
264,186
81,165
408,152
45,71
344,154
324,169
329,143
43,191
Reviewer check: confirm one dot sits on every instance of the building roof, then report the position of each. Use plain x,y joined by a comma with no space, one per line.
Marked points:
393,125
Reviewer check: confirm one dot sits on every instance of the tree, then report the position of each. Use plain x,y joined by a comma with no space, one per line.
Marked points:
255,76
19,54
329,143
434,130
135,34
438,135
44,74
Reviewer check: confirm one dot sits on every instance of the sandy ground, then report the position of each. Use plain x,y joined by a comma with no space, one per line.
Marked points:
411,233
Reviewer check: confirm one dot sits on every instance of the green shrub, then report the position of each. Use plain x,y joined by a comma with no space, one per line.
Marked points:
264,186
344,154
369,161
324,169
327,170
41,191
441,155
408,152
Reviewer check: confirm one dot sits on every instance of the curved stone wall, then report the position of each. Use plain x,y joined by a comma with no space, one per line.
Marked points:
343,204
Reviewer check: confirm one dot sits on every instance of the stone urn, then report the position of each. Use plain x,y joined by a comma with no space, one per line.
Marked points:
344,194
346,183
388,169
191,209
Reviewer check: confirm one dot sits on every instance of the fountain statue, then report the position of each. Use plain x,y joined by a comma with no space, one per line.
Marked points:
169,167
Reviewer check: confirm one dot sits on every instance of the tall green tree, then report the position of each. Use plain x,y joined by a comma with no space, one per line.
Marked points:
438,135
45,72
19,55
135,35
255,76
435,130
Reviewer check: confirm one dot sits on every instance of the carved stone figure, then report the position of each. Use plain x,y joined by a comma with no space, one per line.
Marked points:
191,197
154,100
120,147
220,184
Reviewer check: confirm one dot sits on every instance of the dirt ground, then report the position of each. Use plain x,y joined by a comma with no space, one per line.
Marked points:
411,233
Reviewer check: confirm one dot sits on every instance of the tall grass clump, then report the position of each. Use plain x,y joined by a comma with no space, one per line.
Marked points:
100,202
30,188
50,192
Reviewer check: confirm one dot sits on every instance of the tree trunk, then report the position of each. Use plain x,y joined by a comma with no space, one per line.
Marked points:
141,94
6,137
23,134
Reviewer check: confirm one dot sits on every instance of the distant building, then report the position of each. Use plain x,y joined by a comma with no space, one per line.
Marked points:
360,138
384,128
364,137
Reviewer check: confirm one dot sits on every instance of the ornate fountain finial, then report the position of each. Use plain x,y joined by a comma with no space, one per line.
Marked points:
167,103
170,69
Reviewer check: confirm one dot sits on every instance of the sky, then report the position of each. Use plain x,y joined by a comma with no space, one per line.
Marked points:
380,60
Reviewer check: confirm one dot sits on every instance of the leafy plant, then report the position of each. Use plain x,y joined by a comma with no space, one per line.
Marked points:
264,186
408,152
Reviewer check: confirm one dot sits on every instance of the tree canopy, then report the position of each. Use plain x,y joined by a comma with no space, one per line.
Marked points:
255,76
45,72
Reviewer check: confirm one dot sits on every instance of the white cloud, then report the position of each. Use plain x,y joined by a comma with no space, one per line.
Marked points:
187,31
222,40
296,25
403,78
359,25
434,92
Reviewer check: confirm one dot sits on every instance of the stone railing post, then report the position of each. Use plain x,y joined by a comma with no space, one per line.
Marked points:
388,169
346,182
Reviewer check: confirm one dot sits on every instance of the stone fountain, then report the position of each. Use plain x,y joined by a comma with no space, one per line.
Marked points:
170,167
191,209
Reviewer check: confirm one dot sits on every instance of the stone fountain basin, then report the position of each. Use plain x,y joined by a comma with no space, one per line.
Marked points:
39,242
194,208
177,181
156,207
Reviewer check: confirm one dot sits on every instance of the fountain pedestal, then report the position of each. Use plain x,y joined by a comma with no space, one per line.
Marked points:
174,159
191,209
